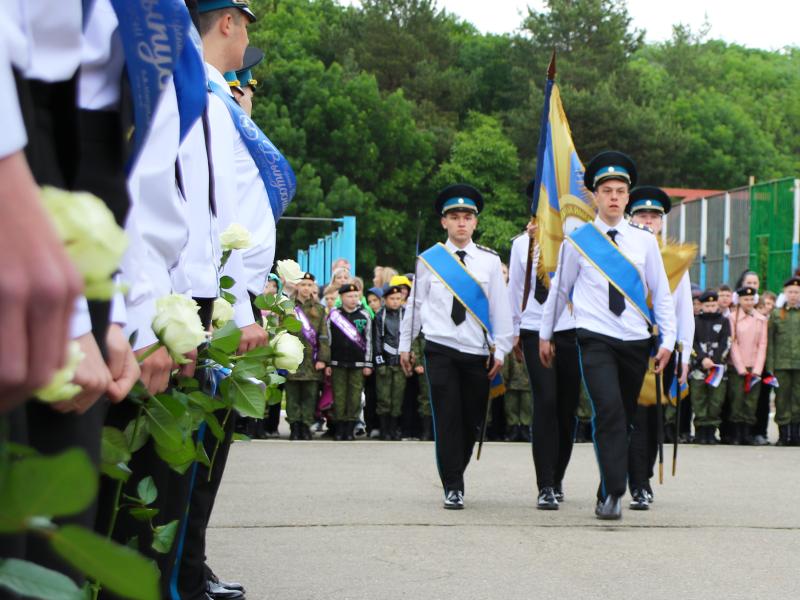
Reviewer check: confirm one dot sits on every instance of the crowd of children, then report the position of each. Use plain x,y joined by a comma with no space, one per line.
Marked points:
746,355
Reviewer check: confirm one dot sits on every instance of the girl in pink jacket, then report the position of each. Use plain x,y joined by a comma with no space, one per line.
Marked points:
748,353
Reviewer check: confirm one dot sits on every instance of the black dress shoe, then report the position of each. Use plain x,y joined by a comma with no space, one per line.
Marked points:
220,592
525,433
558,492
547,499
609,509
231,585
454,500
638,500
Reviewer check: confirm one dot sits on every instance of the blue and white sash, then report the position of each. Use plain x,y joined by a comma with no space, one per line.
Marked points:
608,259
459,281
160,42
275,170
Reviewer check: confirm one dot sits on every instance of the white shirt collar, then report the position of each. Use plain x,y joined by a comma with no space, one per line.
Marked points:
469,248
217,77
605,227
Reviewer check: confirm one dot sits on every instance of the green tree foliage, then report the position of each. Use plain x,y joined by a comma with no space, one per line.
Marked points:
378,106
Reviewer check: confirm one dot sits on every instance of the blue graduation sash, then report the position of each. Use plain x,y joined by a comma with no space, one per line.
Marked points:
608,259
465,288
160,42
275,170
455,277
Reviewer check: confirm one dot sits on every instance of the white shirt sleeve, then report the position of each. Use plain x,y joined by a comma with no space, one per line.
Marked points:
80,322
516,286
502,326
11,124
684,314
412,319
560,287
658,284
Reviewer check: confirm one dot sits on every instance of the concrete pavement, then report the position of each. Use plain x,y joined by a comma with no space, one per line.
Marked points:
363,520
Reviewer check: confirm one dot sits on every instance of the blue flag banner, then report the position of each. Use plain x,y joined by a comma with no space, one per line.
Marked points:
612,264
161,42
275,170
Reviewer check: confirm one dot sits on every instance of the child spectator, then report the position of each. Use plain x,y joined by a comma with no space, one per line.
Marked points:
390,379
331,295
374,299
711,346
725,299
517,399
748,353
350,335
783,360
765,305
402,282
302,386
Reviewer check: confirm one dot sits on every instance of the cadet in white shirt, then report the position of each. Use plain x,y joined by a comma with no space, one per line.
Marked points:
610,266
555,390
466,337
647,207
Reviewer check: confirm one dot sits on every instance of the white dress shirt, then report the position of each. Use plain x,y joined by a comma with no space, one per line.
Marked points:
430,305
255,213
54,30
157,224
102,59
13,54
223,137
531,318
590,293
684,317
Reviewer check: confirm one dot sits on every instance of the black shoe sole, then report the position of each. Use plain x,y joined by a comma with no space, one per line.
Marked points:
453,506
603,517
547,506
639,506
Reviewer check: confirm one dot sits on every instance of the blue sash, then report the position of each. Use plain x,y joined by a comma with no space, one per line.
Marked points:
598,249
160,42
454,275
275,170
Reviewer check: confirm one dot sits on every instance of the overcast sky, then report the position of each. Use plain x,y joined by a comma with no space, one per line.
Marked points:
768,24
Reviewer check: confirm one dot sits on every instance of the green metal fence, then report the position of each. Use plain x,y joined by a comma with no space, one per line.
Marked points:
772,231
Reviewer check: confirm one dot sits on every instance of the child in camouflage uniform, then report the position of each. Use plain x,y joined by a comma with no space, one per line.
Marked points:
350,334
517,400
423,397
783,360
302,386
390,379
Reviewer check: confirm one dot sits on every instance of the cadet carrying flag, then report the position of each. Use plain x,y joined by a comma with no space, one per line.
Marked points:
558,192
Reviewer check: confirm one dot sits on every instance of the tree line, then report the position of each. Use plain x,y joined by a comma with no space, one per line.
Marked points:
379,106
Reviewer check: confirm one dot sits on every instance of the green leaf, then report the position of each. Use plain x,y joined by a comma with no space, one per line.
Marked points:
117,568
265,302
213,424
249,367
259,352
164,536
292,324
30,580
114,447
187,384
206,402
144,514
179,458
218,356
227,338
147,490
118,472
228,296
47,486
20,450
226,282
240,437
142,433
246,397
200,454
274,395
163,425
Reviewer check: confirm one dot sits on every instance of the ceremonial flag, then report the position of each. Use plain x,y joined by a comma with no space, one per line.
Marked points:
714,377
677,391
749,381
558,192
770,380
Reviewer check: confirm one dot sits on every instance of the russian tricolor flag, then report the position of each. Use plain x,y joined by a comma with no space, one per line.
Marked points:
750,380
770,380
714,377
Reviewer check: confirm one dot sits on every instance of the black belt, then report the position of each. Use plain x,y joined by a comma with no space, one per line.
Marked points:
205,310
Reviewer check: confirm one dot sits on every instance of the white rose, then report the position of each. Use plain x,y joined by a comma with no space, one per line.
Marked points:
235,237
91,236
289,271
177,325
222,313
61,387
289,351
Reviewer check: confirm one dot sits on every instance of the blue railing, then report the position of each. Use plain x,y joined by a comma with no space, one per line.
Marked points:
318,258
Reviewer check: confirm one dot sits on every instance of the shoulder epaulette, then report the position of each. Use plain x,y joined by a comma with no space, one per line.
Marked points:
642,227
485,249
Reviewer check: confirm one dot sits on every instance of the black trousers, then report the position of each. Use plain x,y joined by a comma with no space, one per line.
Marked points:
459,391
762,412
555,399
613,372
643,450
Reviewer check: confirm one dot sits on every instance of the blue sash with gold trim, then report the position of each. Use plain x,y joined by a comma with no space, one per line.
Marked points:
454,275
617,268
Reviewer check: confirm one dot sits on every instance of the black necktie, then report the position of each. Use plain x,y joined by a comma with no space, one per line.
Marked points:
540,291
458,313
616,301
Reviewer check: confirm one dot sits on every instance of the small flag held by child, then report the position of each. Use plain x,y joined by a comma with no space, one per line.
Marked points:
714,377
